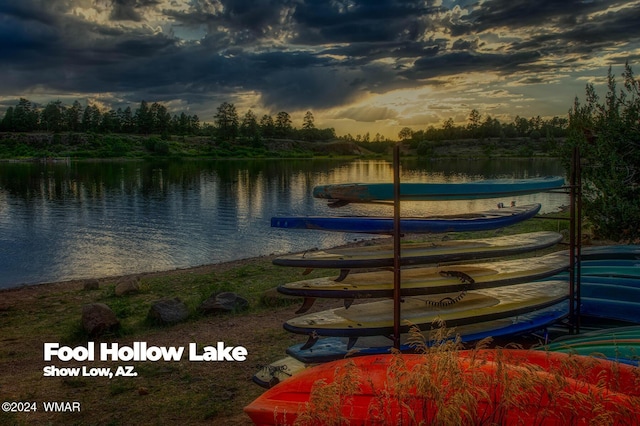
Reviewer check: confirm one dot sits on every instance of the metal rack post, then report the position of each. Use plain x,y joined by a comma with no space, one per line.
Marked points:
396,247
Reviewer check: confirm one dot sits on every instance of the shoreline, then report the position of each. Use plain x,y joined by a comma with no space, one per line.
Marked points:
208,267
205,268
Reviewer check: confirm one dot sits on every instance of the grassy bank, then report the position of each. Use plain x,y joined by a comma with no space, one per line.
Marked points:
163,392
91,145
24,146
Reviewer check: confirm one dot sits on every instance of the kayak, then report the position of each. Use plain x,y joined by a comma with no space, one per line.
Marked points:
609,296
621,344
333,348
622,251
487,188
432,280
509,387
379,256
455,309
466,222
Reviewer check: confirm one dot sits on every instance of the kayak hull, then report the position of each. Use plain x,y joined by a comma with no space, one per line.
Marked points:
549,389
377,318
380,256
488,188
480,221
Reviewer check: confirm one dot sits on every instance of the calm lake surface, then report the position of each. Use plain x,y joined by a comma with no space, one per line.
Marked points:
62,221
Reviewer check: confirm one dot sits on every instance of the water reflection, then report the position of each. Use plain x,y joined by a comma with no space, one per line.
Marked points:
89,219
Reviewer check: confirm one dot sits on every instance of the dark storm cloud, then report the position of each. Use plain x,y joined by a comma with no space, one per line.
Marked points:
16,41
518,13
23,29
295,54
27,10
129,10
66,53
462,44
549,28
373,21
243,21
556,25
466,62
609,28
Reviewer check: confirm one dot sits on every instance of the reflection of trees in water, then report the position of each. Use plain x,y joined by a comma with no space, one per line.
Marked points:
518,168
59,182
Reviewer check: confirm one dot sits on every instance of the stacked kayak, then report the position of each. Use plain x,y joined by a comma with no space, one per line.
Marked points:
431,280
479,299
604,296
467,222
450,387
609,283
344,372
610,297
343,194
616,252
621,344
455,309
381,256
334,348
488,188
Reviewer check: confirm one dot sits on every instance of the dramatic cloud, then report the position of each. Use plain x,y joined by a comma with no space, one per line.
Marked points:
386,62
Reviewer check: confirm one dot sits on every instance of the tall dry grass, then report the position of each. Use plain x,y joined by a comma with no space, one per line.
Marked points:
478,387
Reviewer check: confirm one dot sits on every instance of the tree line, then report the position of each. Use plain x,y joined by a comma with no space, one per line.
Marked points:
229,126
155,118
534,128
489,127
57,117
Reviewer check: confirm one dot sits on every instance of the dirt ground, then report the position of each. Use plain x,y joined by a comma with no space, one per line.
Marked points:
163,392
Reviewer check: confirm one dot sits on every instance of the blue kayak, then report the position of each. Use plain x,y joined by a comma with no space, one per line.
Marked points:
332,348
480,221
610,297
489,188
621,310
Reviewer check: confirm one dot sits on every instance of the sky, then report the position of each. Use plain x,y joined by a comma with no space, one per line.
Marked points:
359,66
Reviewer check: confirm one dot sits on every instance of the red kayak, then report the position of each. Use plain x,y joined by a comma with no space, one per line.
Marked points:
506,387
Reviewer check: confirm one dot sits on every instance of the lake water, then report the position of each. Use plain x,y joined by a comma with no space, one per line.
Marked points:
79,220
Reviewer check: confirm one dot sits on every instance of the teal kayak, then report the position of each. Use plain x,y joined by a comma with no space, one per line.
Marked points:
617,344
488,188
614,252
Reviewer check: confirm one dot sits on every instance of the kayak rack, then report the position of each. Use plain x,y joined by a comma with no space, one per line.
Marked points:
393,332
575,243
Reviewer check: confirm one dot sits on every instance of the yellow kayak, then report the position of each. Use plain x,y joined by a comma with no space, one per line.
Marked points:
376,318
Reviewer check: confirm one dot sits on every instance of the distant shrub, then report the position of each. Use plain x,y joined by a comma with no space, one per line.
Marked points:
535,135
424,149
161,147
